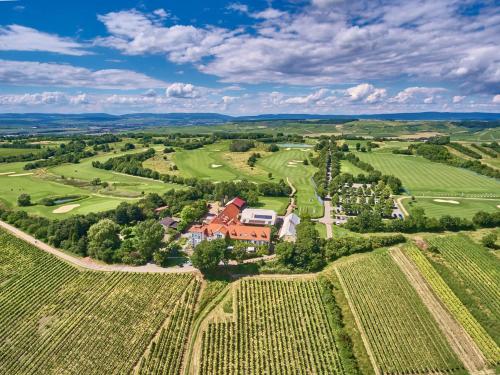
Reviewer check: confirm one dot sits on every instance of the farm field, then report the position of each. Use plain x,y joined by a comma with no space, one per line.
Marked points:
288,164
473,273
465,208
454,305
57,319
423,177
279,326
402,334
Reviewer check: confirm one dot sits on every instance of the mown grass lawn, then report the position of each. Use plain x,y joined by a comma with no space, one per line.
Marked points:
423,177
289,164
465,208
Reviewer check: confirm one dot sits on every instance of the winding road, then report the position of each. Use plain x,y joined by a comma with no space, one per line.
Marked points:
88,263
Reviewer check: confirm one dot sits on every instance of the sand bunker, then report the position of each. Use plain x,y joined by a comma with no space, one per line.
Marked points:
291,166
20,174
4,173
216,165
65,208
498,205
289,148
446,201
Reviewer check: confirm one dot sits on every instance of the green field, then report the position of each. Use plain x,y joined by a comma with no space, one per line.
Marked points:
347,167
423,177
465,208
473,273
279,327
45,183
454,305
401,332
288,164
216,163
56,319
18,151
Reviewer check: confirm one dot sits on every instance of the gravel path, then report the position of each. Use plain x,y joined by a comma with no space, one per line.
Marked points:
88,263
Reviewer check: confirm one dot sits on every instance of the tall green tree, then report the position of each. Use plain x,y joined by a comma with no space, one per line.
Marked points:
103,240
208,254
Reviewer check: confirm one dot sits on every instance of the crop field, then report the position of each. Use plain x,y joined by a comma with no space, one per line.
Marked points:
281,327
289,164
56,319
473,273
402,334
423,177
485,343
465,208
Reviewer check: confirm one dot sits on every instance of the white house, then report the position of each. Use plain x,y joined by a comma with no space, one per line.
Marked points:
287,231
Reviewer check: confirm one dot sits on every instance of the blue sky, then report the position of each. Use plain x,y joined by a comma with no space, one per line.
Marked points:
295,56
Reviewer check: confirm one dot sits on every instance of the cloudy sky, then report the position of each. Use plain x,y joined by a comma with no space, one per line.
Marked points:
288,56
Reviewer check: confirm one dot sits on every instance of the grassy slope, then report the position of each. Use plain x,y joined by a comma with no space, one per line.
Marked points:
42,184
467,207
299,175
423,177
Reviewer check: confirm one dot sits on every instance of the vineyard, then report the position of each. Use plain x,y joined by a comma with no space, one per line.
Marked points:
487,345
281,327
57,319
475,275
166,354
401,333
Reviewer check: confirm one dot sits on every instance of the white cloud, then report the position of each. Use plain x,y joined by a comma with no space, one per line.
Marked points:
27,73
268,13
182,90
21,38
366,92
43,98
330,42
308,99
417,93
238,7
496,99
135,33
161,13
458,99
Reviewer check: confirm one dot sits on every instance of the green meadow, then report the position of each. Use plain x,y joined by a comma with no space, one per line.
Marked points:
289,164
423,177
465,208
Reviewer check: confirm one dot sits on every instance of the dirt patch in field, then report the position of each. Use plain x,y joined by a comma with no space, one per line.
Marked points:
65,208
4,173
460,341
216,165
446,201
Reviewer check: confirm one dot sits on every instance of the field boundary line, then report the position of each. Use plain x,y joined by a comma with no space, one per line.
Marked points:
362,332
461,343
90,264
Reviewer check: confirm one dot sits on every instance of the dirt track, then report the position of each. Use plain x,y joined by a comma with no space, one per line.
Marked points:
460,341
88,263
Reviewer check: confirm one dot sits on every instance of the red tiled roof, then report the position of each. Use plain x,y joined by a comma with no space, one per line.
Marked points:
238,202
228,216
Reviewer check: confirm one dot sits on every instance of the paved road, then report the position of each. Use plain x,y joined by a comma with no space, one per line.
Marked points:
327,218
88,263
